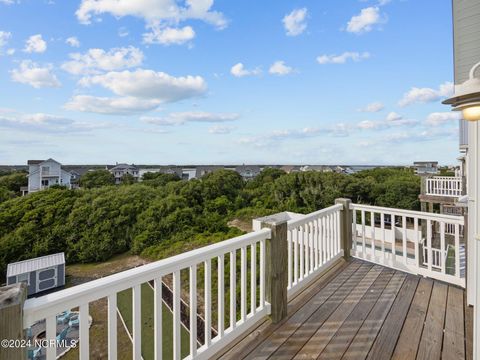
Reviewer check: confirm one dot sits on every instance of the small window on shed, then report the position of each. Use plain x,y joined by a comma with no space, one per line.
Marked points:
24,278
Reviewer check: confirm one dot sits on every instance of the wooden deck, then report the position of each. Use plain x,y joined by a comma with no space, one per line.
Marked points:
358,310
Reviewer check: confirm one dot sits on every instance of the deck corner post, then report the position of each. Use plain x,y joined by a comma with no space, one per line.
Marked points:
276,279
346,226
12,298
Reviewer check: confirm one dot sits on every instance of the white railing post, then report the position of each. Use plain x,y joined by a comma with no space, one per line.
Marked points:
12,298
276,275
346,222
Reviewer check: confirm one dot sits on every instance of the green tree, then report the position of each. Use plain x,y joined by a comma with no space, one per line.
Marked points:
97,178
14,181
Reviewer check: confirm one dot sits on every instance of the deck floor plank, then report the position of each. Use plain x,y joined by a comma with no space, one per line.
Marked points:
358,310
343,337
317,343
430,347
276,339
297,339
245,346
454,337
409,340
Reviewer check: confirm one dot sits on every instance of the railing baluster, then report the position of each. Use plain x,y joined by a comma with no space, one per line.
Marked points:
289,259
295,256
137,321
312,246
221,295
176,316
338,231
84,332
302,253
325,238
332,239
354,230
457,251
112,326
404,239
382,230
372,234
157,318
208,301
363,234
262,274
233,289
50,335
193,310
429,245
243,283
417,240
315,241
253,278
306,250
442,247
394,238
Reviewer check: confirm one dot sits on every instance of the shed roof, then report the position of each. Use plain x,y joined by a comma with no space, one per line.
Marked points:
26,266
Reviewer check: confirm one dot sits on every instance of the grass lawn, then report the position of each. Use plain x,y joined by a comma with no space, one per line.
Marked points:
124,303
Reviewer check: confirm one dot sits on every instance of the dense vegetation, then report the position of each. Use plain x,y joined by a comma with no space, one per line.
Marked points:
163,215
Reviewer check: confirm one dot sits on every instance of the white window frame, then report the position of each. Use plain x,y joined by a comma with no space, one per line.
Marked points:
27,278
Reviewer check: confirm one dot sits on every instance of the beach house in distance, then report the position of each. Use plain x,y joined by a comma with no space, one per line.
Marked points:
45,173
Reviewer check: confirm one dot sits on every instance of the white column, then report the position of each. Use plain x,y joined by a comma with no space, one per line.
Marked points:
474,204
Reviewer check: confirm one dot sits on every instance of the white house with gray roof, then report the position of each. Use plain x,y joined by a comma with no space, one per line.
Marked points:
45,173
120,170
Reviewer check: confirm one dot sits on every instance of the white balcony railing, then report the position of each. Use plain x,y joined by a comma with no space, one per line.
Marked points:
407,240
251,310
311,245
448,186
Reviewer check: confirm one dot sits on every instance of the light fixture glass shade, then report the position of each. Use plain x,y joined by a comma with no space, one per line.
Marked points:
471,113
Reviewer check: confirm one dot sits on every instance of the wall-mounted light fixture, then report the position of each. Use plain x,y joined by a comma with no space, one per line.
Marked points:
467,97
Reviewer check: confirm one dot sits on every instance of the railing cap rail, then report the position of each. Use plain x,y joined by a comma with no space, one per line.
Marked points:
292,224
454,219
51,304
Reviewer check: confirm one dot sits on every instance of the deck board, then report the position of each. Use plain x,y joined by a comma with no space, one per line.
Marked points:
409,340
430,347
358,310
453,344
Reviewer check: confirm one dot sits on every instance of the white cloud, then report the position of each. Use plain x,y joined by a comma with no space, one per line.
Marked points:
425,95
440,118
169,35
238,70
7,2
295,22
10,52
373,107
166,11
279,68
342,58
46,123
393,116
73,41
111,106
181,118
35,43
95,61
123,32
35,75
220,130
4,37
365,21
149,84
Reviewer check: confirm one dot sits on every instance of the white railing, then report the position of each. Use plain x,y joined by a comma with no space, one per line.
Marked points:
449,186
251,309
313,245
436,256
395,238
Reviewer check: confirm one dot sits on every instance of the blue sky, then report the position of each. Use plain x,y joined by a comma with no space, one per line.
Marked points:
222,82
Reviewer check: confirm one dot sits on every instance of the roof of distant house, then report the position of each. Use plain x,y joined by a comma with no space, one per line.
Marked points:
36,162
124,167
38,263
